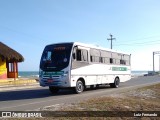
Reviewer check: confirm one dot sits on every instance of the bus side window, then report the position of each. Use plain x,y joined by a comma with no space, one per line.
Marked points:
82,55
74,53
91,58
111,60
74,56
78,52
123,62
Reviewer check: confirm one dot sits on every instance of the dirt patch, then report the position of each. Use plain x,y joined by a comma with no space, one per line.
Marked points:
141,99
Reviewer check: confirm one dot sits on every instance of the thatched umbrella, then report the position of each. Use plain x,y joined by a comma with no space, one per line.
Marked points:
9,54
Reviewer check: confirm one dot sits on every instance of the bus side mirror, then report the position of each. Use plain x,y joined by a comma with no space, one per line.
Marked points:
74,56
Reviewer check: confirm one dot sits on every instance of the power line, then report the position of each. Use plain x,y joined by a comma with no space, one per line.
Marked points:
111,39
149,37
22,33
141,43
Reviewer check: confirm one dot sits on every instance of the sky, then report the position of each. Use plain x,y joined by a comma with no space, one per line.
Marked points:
28,26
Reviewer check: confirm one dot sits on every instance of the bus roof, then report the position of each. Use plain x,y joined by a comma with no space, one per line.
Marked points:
92,46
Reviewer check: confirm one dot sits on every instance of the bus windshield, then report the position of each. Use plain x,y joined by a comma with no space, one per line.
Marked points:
55,57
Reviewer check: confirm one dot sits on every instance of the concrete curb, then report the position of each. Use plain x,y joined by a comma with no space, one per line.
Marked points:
18,87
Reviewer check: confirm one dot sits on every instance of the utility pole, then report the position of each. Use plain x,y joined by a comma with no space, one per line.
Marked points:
153,61
154,53
111,39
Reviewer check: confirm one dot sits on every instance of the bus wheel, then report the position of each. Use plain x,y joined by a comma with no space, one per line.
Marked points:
53,89
79,87
116,83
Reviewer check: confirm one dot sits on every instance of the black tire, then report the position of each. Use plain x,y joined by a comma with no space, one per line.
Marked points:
93,87
97,86
116,83
79,87
53,89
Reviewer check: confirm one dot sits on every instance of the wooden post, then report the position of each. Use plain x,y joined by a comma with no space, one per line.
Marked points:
7,66
14,70
17,69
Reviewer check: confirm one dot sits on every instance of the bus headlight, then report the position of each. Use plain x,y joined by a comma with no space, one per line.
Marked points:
65,74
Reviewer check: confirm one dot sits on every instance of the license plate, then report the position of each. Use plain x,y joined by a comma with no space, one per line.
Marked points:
50,80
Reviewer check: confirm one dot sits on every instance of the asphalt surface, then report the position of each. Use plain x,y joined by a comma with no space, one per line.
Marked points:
32,98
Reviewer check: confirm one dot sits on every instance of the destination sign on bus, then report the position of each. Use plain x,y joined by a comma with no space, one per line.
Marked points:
59,48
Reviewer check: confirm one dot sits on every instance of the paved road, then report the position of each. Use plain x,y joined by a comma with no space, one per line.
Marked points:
34,98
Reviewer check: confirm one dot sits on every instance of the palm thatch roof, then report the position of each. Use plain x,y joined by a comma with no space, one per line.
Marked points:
9,54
